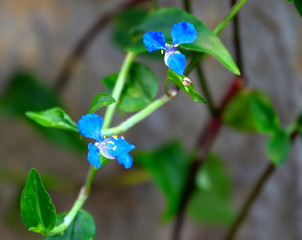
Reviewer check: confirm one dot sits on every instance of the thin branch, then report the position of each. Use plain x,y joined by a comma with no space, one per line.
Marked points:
206,91
80,48
254,194
237,41
267,173
204,145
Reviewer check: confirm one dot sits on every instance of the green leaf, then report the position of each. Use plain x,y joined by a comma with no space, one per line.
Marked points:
140,88
168,167
278,147
211,202
25,92
163,19
100,100
298,5
55,118
81,228
37,210
178,81
123,22
251,111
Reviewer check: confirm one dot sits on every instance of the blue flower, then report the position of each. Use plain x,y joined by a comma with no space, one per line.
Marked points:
90,125
181,33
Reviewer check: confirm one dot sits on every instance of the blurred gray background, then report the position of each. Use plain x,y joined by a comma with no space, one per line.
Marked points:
39,35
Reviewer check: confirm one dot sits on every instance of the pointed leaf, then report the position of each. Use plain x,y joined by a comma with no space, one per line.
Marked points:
100,100
37,210
54,117
25,92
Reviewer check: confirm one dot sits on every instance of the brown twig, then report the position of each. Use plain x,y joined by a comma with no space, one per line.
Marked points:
267,173
85,41
205,143
269,170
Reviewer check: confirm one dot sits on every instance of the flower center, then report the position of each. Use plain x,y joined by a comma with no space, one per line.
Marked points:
170,48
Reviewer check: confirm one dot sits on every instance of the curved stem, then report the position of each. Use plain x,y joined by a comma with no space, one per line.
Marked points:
92,171
235,9
118,88
136,118
77,204
269,170
220,27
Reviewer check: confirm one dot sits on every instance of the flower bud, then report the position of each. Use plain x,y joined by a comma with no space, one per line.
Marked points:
186,82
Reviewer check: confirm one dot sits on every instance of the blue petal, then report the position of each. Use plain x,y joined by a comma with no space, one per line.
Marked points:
176,61
118,146
154,41
93,155
183,32
125,159
90,126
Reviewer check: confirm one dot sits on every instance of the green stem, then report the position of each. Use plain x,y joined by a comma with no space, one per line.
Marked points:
119,85
77,204
221,26
118,88
235,9
136,118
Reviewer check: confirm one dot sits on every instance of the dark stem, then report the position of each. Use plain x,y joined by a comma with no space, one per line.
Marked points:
79,49
264,177
187,5
205,88
204,145
267,173
237,41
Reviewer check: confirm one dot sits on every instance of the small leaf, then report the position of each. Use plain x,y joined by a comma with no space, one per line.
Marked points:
54,117
100,100
298,5
168,167
25,92
278,147
178,81
37,210
251,111
81,228
163,19
211,202
140,88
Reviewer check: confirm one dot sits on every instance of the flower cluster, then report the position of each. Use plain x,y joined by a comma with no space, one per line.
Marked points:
181,33
90,125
